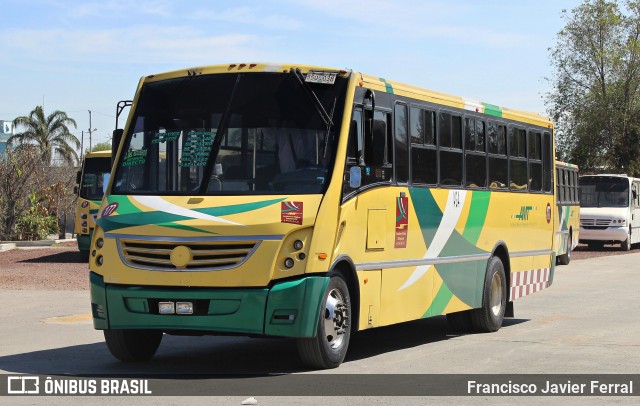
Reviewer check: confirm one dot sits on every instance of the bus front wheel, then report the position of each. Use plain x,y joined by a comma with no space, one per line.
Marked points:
133,345
329,347
626,245
489,317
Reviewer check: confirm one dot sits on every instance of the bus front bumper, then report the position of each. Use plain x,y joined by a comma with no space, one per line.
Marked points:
618,234
287,309
84,241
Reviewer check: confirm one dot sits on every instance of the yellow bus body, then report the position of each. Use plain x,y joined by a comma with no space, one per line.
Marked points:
433,262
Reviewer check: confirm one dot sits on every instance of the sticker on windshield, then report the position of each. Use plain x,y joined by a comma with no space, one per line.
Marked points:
196,148
325,78
165,137
134,158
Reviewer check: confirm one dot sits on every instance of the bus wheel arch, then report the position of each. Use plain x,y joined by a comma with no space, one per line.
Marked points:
501,251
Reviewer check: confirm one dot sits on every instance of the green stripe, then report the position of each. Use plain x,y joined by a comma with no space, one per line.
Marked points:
387,85
440,302
492,110
427,211
477,216
131,216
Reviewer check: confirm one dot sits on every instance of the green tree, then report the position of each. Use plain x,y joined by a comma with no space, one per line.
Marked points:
49,133
595,100
101,146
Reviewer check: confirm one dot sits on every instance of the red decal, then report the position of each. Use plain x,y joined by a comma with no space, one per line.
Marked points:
291,212
109,209
402,222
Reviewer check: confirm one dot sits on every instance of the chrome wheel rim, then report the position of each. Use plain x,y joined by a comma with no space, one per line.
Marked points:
496,294
335,319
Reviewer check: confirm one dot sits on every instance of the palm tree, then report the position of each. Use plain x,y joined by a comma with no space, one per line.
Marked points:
48,133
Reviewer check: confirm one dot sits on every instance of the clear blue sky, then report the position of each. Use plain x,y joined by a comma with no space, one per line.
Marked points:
87,55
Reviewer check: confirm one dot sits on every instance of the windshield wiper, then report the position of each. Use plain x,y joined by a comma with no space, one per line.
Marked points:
217,142
326,117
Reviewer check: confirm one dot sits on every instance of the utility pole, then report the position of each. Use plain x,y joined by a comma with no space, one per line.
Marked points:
90,130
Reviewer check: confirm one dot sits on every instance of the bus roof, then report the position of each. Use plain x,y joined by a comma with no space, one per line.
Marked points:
374,82
98,154
566,164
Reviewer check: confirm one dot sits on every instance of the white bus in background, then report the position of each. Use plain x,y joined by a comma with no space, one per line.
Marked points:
609,210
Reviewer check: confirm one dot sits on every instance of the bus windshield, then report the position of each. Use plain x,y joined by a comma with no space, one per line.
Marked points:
601,191
93,177
231,134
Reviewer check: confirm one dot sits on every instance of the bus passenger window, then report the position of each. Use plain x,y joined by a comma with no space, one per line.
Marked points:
450,136
475,157
424,158
496,148
401,148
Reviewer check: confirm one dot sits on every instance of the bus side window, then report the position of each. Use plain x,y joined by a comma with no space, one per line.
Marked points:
354,150
377,146
450,139
497,152
424,159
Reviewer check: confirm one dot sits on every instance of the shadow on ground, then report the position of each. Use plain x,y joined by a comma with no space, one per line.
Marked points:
216,355
73,257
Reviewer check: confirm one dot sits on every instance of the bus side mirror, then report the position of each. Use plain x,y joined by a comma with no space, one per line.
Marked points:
355,177
75,190
78,175
105,181
115,143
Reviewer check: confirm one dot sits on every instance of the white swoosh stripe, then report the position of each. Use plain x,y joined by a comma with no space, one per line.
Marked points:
160,204
448,223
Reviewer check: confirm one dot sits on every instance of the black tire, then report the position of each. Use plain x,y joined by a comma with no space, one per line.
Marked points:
565,258
626,245
329,347
489,317
133,345
84,256
460,322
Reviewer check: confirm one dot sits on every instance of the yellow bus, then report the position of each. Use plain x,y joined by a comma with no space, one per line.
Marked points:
91,180
567,218
310,202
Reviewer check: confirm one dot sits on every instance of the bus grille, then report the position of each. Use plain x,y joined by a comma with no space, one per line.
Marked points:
591,223
204,256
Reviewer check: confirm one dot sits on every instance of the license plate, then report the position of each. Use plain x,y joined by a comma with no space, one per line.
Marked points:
325,78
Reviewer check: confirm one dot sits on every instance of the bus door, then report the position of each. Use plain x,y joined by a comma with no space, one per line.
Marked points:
635,211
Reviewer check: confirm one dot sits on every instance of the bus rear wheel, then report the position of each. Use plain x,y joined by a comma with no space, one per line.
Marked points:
329,347
133,345
565,258
489,317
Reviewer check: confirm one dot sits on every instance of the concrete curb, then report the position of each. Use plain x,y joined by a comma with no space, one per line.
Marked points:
9,245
